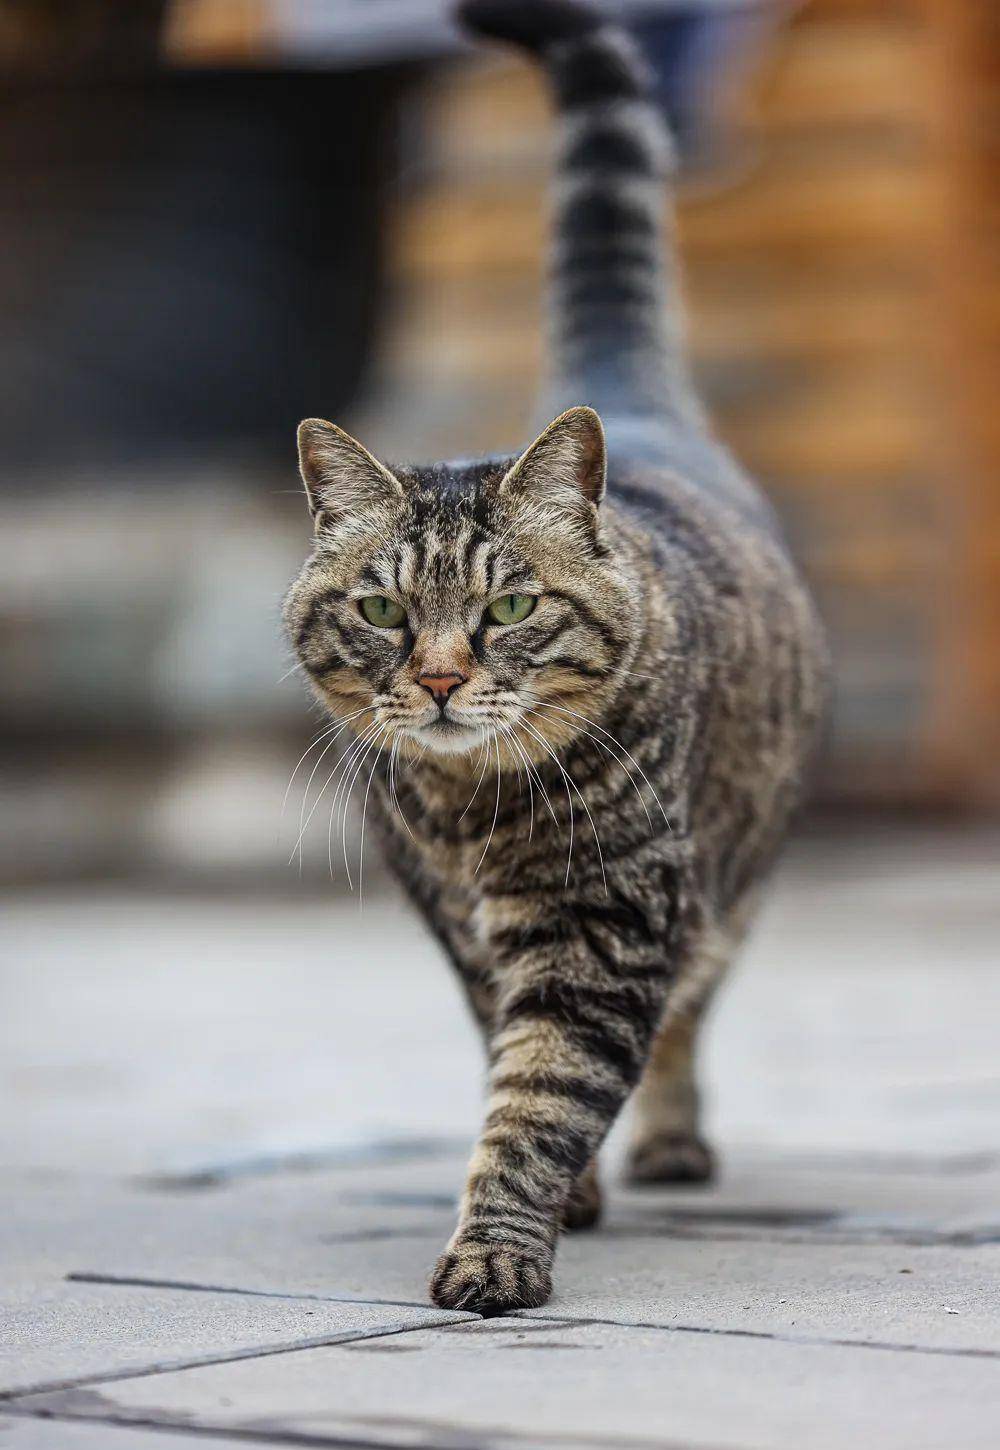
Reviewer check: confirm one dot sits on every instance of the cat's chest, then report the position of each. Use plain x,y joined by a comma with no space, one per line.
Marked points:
444,831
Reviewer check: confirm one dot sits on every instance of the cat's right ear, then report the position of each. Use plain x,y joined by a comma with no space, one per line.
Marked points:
340,476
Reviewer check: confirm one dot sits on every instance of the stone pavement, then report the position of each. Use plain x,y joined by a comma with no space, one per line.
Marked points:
234,1130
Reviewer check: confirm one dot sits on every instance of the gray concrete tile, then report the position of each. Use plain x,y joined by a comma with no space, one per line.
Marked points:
830,1195
28,1433
264,1030
863,1013
145,1032
502,1382
831,1245
947,1298
286,1236
75,1331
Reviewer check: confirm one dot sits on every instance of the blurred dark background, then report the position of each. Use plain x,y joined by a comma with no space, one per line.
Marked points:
218,217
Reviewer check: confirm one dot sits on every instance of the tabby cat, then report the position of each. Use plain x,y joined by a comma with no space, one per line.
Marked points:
584,680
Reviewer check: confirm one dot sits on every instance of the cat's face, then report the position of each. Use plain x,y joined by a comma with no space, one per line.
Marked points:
454,606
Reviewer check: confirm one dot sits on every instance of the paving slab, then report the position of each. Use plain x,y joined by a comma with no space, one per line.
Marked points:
75,1331
509,1382
217,1138
868,1294
834,1196
147,1032
141,1032
30,1433
931,1298
284,1236
293,1223
857,1253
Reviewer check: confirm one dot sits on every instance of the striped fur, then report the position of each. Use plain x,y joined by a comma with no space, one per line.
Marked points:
585,821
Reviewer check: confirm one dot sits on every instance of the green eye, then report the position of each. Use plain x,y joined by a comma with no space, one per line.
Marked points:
511,608
382,612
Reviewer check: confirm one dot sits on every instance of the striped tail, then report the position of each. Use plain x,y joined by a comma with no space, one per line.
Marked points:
615,326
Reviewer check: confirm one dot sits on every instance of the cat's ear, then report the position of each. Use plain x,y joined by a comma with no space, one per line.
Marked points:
340,476
567,460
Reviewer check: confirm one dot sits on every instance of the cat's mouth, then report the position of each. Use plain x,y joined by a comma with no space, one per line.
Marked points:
449,736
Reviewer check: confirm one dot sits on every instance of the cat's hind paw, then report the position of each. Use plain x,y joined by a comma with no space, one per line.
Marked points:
671,1158
490,1278
583,1207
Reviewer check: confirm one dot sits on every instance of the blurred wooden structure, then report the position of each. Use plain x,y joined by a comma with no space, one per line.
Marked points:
843,283
843,286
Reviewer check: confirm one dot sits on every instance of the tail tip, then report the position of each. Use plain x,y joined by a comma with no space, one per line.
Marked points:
532,24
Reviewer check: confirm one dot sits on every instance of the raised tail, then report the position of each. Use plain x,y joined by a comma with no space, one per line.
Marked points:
615,327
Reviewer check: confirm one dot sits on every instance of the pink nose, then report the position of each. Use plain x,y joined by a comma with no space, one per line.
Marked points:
441,686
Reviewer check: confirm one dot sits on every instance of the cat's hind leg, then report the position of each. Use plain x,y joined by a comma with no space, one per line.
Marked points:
666,1140
583,1207
666,1143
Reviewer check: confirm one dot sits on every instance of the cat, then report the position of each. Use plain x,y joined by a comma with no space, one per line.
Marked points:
585,680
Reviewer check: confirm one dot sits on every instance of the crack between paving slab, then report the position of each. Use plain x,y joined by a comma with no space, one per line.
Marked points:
372,1152
692,1232
187,1286
891,1346
827,1342
261,1351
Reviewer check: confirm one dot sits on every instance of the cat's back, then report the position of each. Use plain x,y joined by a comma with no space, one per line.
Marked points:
729,596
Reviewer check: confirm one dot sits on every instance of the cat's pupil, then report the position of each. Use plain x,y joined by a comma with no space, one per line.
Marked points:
380,610
511,608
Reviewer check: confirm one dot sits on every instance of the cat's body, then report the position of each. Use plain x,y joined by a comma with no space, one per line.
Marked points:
581,799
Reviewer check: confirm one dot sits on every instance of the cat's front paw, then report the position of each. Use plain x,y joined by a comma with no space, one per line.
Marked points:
490,1278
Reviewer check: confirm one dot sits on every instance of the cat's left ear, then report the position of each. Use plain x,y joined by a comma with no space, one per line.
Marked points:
568,460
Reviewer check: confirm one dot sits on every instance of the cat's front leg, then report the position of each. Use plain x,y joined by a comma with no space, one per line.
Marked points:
575,1015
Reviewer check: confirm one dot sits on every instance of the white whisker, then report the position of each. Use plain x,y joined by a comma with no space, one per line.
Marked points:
569,799
312,776
304,824
472,797
331,729
342,796
545,705
344,764
364,817
571,782
621,764
393,792
532,771
352,758
514,745
496,808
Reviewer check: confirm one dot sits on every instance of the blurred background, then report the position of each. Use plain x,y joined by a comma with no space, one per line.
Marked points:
219,216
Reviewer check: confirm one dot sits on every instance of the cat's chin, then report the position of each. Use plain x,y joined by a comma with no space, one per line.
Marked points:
449,737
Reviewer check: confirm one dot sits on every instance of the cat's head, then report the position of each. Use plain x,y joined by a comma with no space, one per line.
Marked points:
443,605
